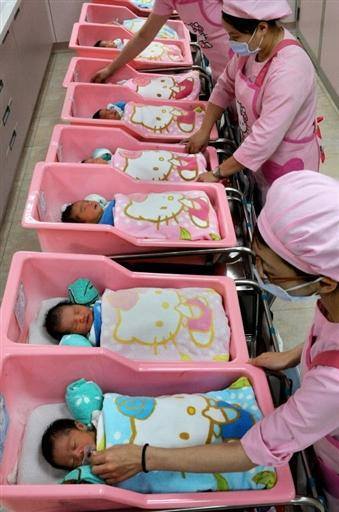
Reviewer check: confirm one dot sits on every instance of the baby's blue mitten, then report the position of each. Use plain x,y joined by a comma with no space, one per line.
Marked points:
82,474
83,397
75,340
83,292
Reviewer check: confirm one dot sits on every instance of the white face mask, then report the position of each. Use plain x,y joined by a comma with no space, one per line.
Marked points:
241,48
283,294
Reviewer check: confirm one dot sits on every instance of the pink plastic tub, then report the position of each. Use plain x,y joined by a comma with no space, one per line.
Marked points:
70,143
25,389
83,100
82,70
125,3
53,185
34,277
115,15
85,35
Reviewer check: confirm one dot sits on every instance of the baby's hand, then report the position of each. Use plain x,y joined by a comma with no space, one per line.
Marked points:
101,75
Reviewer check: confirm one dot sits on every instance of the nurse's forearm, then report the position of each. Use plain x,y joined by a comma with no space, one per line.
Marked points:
213,113
229,167
294,355
199,459
139,42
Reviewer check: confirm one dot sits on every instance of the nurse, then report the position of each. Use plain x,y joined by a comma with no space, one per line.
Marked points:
273,82
202,18
297,250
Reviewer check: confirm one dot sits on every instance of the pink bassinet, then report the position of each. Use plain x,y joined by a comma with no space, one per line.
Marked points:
85,35
34,277
53,185
24,390
125,3
115,14
70,143
83,100
82,70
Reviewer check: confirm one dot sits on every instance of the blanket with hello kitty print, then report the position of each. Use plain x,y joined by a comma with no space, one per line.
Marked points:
163,119
166,87
155,51
167,216
184,324
159,164
180,421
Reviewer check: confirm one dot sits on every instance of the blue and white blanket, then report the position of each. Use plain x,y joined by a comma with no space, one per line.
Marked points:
181,421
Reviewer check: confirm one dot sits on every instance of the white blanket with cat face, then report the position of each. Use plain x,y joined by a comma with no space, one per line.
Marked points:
169,120
183,324
159,164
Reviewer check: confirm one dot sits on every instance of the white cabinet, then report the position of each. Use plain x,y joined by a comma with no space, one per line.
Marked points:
64,13
24,53
32,33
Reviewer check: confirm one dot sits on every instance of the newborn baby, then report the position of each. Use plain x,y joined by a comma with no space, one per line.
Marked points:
155,51
154,119
171,215
151,164
176,421
66,318
94,209
66,443
146,323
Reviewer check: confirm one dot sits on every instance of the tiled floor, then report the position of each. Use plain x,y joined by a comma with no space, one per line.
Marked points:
292,320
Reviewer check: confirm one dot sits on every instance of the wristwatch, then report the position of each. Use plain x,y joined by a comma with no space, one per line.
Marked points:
217,173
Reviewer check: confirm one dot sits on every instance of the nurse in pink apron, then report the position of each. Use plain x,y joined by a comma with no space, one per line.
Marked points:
202,18
297,250
273,82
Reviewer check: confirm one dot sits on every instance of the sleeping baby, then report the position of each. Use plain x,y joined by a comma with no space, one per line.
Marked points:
154,119
182,420
162,216
151,164
181,324
155,51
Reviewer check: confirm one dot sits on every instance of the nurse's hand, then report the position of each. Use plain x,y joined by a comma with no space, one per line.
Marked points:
276,361
208,177
198,141
117,463
279,360
102,75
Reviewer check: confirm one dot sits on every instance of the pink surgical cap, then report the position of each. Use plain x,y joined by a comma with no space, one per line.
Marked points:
257,9
300,222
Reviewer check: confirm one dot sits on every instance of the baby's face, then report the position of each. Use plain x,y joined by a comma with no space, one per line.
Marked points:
106,113
75,319
95,161
69,446
86,211
107,44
